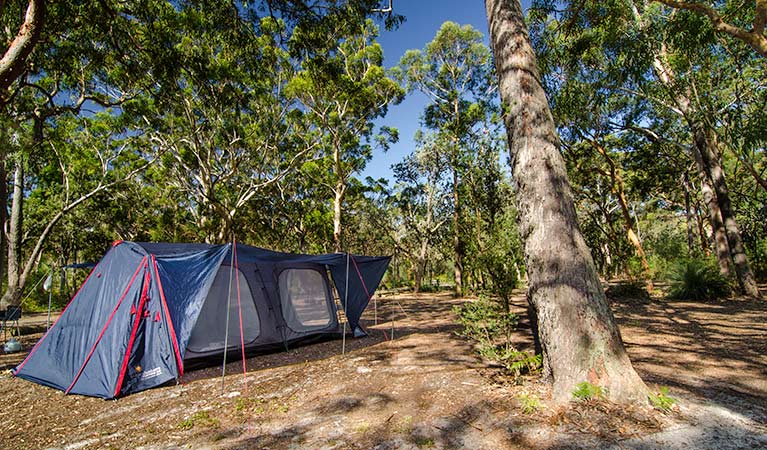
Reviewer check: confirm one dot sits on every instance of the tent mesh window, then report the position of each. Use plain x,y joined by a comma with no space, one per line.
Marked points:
305,299
210,330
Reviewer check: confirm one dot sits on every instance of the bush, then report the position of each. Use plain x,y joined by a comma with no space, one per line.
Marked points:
628,289
697,280
489,324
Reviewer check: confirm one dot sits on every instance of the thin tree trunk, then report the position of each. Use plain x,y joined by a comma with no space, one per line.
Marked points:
688,214
457,257
619,189
3,213
577,330
338,200
12,294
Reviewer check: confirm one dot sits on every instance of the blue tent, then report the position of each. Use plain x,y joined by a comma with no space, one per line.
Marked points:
147,309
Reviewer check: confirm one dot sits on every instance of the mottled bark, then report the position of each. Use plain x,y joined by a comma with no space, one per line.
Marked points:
13,62
578,334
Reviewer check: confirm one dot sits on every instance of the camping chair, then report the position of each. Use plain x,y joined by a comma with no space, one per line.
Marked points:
12,314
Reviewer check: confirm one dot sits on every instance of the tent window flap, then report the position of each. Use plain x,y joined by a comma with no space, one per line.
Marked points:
305,299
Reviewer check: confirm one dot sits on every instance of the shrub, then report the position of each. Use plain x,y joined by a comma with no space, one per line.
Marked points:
490,325
530,403
660,400
697,280
588,391
628,289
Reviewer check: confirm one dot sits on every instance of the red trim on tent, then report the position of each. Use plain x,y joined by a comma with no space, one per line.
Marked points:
360,275
179,361
54,323
141,304
103,330
117,242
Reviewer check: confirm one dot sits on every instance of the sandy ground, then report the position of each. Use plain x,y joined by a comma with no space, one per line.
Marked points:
427,388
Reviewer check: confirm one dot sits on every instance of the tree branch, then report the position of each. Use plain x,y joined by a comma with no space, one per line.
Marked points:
13,61
755,38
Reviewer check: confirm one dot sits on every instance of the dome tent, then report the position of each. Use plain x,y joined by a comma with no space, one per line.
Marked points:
148,309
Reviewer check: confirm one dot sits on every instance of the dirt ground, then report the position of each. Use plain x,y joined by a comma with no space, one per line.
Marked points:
426,388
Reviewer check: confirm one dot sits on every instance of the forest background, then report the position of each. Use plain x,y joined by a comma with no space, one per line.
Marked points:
197,121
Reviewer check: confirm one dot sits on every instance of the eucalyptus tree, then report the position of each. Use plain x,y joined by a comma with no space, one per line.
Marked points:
72,64
343,90
578,334
422,200
453,71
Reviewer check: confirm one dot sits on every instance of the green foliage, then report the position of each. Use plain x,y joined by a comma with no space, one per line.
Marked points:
697,279
587,391
661,400
490,324
200,418
530,403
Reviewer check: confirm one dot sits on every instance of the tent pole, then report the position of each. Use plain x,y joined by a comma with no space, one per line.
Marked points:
50,297
346,302
228,304
375,309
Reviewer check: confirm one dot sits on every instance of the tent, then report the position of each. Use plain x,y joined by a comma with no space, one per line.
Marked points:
148,309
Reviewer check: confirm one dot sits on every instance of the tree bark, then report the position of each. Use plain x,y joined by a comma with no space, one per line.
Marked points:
707,145
338,199
718,232
688,214
12,294
3,212
14,59
457,259
577,330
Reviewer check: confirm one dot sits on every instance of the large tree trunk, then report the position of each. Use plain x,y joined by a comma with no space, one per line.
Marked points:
718,233
577,330
420,265
706,143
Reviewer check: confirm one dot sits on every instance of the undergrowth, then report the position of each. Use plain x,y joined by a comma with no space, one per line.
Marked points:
490,325
661,400
696,279
587,391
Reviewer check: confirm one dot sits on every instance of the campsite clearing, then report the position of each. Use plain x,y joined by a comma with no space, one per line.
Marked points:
425,389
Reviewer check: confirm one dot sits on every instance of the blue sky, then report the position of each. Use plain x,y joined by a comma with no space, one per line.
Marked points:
422,20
